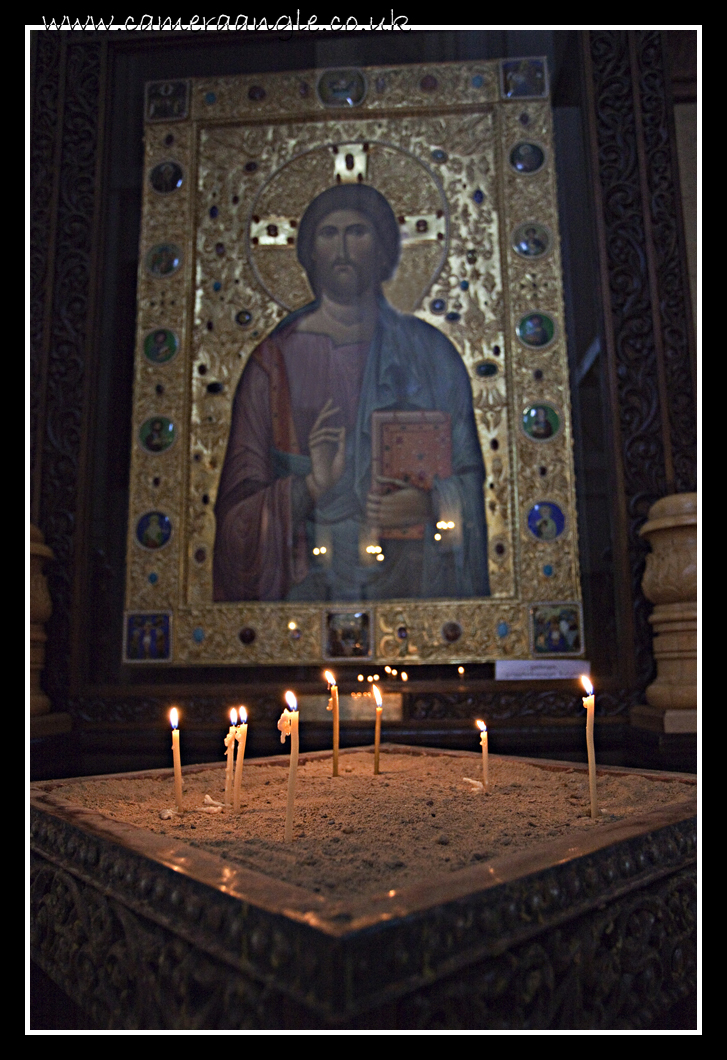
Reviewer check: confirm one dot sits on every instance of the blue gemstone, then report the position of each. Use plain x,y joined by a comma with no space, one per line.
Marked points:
452,317
464,285
439,155
210,97
547,570
478,196
217,286
198,635
502,629
213,211
438,305
478,81
153,578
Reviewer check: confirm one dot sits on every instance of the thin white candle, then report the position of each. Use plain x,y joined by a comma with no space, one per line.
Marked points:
174,719
230,740
485,755
589,702
288,725
333,705
377,728
241,736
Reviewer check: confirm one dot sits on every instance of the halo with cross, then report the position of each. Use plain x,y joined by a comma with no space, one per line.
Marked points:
414,193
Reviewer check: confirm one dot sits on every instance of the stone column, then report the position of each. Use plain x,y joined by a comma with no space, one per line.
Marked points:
670,582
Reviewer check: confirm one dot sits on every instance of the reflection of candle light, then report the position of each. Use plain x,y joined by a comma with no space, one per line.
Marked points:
377,729
174,719
485,762
241,737
333,705
288,724
589,702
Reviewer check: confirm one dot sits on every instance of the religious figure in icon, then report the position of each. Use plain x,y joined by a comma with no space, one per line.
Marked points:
546,527
538,425
298,516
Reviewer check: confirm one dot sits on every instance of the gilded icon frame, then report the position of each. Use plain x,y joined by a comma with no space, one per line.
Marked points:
226,275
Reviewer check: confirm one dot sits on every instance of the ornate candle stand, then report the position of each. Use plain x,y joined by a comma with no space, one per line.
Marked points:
592,930
670,581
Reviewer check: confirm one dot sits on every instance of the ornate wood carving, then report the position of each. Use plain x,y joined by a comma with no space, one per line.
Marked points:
626,217
64,407
606,941
665,207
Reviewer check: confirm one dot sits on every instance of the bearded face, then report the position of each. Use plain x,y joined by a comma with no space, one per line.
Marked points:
346,256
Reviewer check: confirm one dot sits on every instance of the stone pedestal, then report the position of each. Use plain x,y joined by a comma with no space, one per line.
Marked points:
670,581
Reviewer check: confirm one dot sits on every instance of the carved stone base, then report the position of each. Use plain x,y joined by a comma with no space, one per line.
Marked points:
659,719
670,581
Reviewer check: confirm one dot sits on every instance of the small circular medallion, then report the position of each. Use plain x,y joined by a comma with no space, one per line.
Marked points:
160,346
536,330
247,635
531,241
153,530
163,259
451,632
341,88
166,177
244,318
546,521
527,157
156,434
540,422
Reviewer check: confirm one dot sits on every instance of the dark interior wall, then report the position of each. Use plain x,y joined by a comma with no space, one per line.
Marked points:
627,317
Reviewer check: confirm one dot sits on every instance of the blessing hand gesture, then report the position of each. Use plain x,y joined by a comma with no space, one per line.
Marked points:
327,447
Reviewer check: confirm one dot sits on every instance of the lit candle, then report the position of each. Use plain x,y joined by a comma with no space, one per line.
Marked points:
174,719
288,725
377,730
485,763
230,752
589,702
241,737
333,705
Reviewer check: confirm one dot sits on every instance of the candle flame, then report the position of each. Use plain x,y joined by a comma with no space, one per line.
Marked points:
404,676
233,717
331,680
243,716
291,700
377,696
174,717
587,684
481,726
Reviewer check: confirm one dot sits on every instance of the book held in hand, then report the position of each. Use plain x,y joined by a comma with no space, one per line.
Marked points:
413,447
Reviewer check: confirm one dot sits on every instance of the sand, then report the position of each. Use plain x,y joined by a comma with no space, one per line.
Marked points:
358,834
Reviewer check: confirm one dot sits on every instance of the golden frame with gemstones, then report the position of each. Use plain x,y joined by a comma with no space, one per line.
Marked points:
464,154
